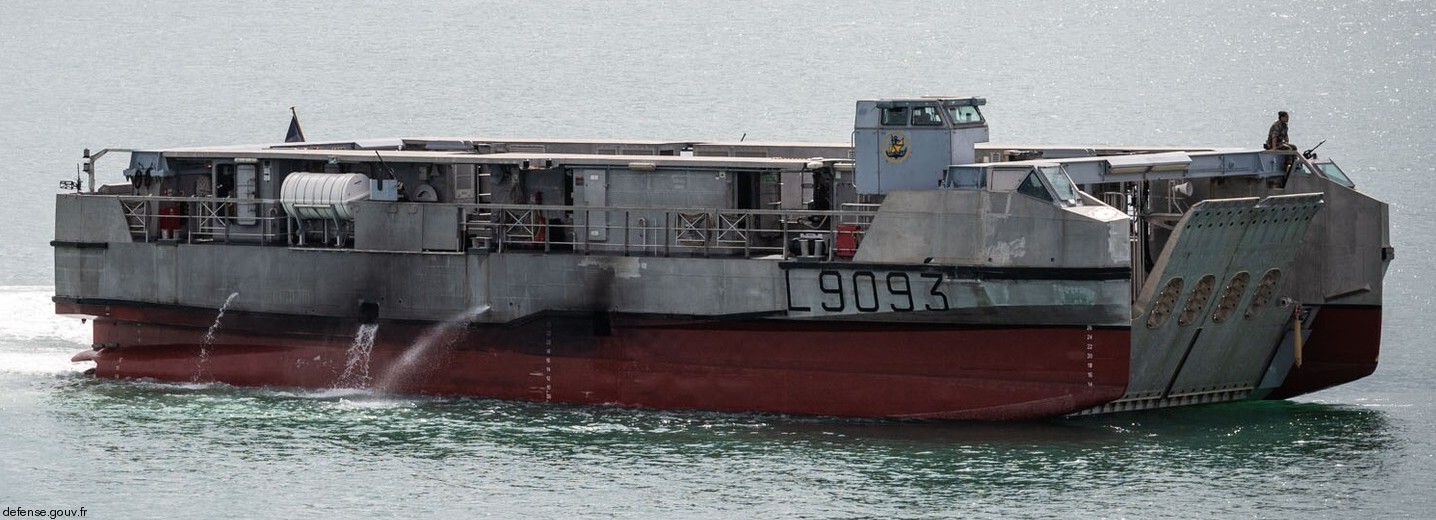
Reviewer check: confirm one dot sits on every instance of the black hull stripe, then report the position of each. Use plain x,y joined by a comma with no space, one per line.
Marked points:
980,272
79,245
260,321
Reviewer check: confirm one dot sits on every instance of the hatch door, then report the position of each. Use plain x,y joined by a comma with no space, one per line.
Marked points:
245,189
593,184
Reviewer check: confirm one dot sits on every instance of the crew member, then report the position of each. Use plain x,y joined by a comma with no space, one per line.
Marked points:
1276,139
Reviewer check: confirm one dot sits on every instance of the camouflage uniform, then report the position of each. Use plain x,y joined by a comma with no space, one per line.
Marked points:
1277,136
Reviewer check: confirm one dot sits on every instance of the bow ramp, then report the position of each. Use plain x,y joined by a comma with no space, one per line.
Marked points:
1213,313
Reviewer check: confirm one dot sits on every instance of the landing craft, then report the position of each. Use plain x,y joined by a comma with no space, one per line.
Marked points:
918,272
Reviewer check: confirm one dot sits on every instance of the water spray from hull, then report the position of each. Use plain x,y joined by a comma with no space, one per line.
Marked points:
356,363
419,351
209,338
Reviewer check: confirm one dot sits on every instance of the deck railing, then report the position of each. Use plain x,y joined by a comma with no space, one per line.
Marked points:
506,227
200,220
666,231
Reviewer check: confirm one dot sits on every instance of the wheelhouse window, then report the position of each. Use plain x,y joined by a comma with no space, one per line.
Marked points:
1049,183
964,114
926,115
895,116
1333,172
1032,186
1066,192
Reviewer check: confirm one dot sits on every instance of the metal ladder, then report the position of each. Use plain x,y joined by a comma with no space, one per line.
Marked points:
479,225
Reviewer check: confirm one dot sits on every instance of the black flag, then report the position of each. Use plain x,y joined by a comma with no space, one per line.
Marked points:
295,134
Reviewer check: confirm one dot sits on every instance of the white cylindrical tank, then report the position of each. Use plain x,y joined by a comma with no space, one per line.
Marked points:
323,195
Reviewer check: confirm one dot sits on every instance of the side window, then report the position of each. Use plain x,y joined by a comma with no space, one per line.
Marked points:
966,178
926,116
1032,185
896,116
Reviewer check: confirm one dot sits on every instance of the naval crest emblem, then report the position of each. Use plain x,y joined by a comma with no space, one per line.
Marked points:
896,149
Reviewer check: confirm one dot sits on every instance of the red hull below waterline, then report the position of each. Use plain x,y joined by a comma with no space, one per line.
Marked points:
1344,346
811,368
